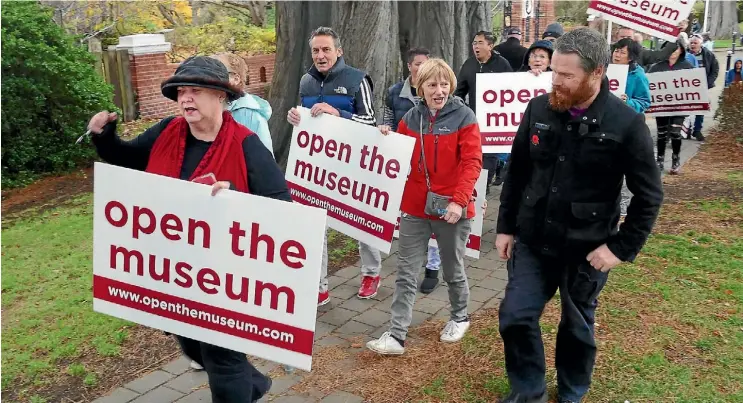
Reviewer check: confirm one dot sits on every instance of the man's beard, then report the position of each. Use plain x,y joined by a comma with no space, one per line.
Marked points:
561,100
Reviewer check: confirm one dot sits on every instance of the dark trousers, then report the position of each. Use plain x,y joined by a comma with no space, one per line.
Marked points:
669,127
493,163
532,281
232,378
698,122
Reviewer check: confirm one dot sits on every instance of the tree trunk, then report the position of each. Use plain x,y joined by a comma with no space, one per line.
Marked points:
362,47
375,37
723,19
446,28
294,22
257,12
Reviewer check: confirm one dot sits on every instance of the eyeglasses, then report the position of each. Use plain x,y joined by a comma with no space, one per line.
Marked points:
478,43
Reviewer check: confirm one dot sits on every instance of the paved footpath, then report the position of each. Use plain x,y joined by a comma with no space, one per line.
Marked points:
347,317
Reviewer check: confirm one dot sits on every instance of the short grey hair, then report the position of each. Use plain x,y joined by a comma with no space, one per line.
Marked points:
588,44
326,31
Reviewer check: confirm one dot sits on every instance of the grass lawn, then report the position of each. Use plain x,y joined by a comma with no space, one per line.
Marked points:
669,326
47,299
53,345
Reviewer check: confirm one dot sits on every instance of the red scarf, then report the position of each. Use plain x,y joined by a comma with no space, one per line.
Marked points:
224,158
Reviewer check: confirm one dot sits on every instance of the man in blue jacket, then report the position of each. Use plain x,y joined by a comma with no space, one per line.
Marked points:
330,86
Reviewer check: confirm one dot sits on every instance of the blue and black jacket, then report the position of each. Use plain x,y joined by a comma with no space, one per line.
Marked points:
344,88
399,100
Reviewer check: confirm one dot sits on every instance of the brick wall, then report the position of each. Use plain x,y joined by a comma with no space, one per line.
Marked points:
546,17
260,73
149,71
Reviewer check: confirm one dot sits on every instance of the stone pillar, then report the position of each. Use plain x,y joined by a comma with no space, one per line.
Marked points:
149,67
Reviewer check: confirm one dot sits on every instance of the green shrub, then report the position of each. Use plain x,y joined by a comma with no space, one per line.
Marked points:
50,90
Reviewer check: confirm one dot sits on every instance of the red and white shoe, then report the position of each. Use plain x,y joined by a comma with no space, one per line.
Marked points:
323,298
369,286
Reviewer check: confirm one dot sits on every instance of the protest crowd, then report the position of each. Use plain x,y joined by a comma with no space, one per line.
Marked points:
581,158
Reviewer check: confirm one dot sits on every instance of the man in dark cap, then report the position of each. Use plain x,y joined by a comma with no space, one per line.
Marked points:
511,49
553,32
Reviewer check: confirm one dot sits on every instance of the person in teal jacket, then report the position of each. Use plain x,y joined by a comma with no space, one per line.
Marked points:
637,93
251,110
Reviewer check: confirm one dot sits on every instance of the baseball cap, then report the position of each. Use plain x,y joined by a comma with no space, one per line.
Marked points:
513,31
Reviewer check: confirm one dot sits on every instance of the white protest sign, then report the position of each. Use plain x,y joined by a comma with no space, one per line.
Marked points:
617,75
352,171
680,92
231,270
502,99
659,18
475,238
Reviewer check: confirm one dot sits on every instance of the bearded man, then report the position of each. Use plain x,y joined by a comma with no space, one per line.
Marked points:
559,215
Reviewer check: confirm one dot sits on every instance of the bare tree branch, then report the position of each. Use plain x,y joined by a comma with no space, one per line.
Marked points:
100,31
255,10
167,14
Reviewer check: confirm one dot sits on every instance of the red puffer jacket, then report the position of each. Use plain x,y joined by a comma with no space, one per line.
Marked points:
453,155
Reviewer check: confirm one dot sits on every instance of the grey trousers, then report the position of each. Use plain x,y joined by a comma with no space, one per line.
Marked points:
414,235
371,262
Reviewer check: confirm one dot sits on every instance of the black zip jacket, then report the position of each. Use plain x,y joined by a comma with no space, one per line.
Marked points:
512,51
564,182
664,65
468,73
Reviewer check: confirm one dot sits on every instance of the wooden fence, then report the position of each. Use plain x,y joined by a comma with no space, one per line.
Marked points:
113,66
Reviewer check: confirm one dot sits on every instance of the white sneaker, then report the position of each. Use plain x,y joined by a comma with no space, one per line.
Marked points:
454,331
195,366
386,345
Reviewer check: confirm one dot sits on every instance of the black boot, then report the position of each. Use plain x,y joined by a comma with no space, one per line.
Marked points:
660,160
698,135
519,398
498,168
661,143
675,164
430,281
500,175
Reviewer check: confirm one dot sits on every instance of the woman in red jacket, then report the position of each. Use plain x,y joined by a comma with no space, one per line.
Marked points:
446,162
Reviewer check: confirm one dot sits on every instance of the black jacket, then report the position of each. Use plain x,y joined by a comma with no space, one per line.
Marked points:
711,66
565,176
470,69
512,51
663,65
649,57
264,175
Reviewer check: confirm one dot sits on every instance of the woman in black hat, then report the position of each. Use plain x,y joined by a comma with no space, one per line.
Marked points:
204,142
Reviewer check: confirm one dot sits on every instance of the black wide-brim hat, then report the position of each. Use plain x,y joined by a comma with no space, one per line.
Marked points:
204,72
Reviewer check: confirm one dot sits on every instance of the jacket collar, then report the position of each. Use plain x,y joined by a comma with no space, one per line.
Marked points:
595,112
452,104
406,91
339,65
493,57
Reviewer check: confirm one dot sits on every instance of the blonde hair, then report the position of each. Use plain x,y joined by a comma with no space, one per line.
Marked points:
235,64
432,69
